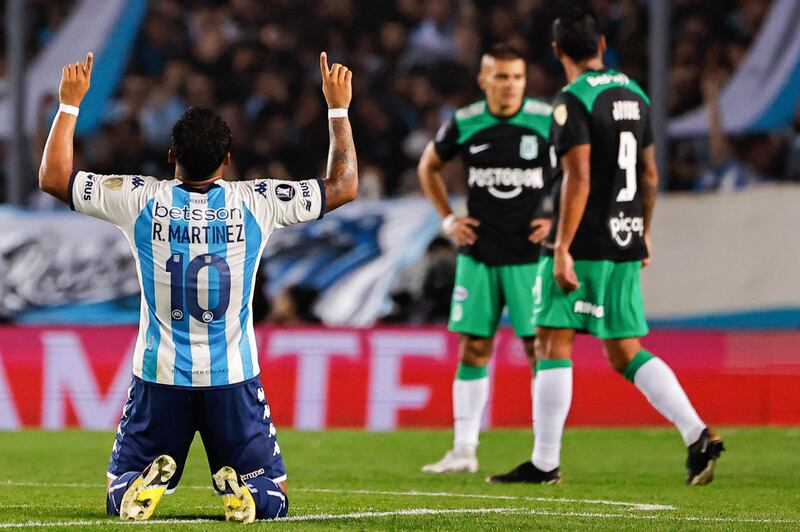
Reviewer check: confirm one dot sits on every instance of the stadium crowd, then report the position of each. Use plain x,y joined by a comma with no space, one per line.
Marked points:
415,62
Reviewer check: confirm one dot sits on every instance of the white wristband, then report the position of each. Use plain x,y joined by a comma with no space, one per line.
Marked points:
337,112
447,223
69,109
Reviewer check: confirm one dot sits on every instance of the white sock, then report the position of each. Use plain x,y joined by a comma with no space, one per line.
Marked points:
661,387
469,400
552,397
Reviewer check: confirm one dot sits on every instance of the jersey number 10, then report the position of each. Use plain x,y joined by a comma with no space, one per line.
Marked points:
627,161
187,290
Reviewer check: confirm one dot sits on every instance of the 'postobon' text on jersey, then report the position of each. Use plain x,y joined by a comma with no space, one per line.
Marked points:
507,162
196,253
610,111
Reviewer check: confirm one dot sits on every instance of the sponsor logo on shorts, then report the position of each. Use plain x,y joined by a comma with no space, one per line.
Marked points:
460,293
590,309
253,474
624,227
457,313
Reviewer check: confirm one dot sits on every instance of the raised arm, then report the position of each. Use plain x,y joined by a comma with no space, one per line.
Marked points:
341,180
574,195
56,166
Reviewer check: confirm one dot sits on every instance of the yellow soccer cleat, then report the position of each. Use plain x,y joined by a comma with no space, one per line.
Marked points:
141,498
236,497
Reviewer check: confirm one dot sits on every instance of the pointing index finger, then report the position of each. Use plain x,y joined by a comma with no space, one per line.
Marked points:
89,63
323,64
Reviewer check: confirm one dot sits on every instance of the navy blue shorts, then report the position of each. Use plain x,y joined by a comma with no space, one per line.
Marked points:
234,422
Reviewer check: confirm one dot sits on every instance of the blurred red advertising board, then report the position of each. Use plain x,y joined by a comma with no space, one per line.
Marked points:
400,377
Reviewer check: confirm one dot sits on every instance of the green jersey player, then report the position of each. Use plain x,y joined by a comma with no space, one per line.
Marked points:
590,280
503,142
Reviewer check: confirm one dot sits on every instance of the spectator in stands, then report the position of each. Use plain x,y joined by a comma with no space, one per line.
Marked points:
418,62
736,162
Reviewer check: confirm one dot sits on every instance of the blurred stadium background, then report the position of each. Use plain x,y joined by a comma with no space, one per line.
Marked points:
352,308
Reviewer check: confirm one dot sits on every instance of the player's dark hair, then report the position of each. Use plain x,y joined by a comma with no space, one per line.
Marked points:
577,32
200,141
504,52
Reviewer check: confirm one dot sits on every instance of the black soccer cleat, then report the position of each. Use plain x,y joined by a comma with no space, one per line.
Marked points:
703,455
527,473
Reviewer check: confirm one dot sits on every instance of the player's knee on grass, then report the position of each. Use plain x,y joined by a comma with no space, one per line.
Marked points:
271,501
117,489
475,350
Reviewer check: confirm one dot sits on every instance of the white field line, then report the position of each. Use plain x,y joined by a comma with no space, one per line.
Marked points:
628,505
412,512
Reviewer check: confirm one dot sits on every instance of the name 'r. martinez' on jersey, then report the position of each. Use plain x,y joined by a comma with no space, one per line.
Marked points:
197,253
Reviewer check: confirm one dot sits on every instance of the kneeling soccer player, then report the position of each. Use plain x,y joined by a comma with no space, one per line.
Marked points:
197,241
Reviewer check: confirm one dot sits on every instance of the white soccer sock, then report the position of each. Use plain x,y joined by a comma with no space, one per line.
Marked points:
469,400
552,397
661,387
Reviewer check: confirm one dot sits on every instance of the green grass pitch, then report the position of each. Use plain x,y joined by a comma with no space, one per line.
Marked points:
613,479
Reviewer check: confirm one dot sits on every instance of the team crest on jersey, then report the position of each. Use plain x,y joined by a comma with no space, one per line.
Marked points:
115,183
284,192
560,114
529,147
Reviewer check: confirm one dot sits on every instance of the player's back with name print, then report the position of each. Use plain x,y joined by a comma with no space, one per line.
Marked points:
197,254
203,248
206,248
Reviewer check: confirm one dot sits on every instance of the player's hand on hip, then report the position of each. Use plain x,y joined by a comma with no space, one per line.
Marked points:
462,231
540,228
649,245
337,83
564,272
75,81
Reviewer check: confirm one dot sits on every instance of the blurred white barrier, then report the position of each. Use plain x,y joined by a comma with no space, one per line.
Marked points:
725,253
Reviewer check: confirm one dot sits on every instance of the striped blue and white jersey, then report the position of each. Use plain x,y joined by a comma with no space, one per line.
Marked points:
196,256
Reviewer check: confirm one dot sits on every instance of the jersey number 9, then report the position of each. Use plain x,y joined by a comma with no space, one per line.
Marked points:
627,161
